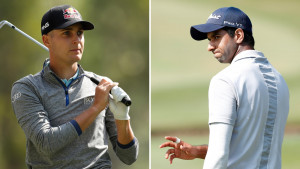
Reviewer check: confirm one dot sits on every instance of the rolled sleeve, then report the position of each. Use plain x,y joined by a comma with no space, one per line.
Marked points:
128,153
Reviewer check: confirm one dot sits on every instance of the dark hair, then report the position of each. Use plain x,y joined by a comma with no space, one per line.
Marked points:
248,38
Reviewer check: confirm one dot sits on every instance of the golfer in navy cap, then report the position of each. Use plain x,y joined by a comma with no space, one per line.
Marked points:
67,119
248,100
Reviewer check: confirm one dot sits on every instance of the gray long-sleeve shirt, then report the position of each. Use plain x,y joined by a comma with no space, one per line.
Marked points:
45,109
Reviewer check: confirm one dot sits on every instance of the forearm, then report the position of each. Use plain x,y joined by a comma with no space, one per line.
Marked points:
124,131
127,146
122,138
86,118
47,139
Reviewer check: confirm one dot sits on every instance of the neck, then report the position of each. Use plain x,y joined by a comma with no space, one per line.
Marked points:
64,72
242,48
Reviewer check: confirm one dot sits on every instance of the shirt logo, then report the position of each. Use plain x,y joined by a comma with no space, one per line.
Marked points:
16,97
213,16
71,13
88,100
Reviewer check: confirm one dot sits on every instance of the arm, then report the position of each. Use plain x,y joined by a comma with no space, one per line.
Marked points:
35,123
126,147
125,134
222,116
34,120
86,118
219,142
119,130
183,150
121,115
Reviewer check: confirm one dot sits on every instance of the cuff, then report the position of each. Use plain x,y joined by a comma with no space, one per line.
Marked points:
77,127
126,145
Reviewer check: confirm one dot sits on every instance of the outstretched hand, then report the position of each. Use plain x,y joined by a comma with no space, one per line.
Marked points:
183,150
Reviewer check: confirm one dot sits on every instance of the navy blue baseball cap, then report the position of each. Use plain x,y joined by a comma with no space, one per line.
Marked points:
220,18
60,17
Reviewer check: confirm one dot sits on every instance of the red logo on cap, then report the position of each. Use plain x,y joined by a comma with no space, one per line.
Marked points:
71,13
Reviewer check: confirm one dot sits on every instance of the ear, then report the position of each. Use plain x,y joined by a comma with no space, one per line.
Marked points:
46,40
239,35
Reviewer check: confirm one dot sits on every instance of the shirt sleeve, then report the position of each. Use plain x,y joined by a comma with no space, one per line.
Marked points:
222,101
126,153
218,148
35,123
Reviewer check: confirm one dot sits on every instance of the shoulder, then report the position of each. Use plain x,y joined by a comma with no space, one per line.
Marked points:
232,76
25,86
28,82
240,70
224,75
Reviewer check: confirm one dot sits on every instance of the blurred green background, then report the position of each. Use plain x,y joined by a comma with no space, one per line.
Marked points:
181,69
118,47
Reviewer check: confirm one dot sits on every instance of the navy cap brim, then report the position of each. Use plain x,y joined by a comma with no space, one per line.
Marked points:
85,25
199,32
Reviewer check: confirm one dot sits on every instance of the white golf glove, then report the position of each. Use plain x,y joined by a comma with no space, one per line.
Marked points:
120,110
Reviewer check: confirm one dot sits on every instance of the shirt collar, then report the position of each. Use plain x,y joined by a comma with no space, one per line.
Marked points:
67,82
48,74
247,54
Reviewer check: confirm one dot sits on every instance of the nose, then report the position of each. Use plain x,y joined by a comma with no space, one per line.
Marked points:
210,46
77,39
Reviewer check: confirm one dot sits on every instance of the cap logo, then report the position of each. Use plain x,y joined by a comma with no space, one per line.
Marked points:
233,24
213,16
45,26
71,13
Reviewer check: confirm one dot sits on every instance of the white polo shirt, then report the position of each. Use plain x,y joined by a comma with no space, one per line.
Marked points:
253,97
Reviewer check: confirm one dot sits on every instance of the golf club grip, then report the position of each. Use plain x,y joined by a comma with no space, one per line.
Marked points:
125,99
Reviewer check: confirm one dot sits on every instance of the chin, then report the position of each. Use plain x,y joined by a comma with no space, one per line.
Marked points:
76,58
221,60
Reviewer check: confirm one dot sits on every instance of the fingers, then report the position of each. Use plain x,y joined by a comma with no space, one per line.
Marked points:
107,85
170,151
171,138
171,158
102,94
167,144
173,144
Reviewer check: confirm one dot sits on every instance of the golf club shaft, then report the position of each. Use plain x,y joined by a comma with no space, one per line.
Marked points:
4,22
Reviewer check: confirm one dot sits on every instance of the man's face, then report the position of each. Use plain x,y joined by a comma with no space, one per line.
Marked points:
66,45
222,46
